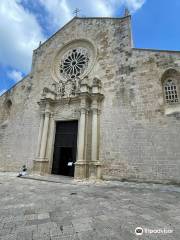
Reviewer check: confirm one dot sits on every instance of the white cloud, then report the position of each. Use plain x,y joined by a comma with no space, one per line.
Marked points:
20,34
134,5
20,31
102,8
2,91
16,76
61,11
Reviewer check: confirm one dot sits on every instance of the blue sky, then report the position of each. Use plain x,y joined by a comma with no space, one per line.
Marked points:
155,24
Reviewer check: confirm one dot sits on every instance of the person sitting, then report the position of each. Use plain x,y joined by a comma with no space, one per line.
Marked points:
23,172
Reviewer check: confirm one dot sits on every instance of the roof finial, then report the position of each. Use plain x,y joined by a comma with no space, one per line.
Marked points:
126,12
76,12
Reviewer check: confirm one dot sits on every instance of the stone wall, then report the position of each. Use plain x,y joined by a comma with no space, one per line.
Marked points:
18,126
137,139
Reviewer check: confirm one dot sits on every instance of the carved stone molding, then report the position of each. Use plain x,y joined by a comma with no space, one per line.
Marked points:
89,99
67,89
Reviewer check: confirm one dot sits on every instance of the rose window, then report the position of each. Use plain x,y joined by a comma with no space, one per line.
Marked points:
74,63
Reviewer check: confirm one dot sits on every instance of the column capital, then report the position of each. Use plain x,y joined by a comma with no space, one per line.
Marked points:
41,113
95,110
47,113
84,103
95,106
84,96
84,110
97,96
51,115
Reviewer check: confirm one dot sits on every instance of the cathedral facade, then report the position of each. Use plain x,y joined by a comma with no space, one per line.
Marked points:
93,106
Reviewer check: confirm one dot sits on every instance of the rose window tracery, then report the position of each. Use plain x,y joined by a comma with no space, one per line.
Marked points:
74,63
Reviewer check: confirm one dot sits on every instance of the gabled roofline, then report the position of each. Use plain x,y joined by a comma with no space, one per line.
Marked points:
13,86
155,50
83,18
54,34
116,18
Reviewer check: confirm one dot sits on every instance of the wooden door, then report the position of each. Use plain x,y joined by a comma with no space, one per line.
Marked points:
65,148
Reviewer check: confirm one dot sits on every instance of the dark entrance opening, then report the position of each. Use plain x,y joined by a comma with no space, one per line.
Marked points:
65,148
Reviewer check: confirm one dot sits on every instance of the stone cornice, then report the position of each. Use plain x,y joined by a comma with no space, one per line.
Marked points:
155,50
97,96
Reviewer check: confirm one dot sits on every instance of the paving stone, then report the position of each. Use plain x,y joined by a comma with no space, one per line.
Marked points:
43,215
38,235
63,220
28,235
1,225
31,216
37,221
107,211
5,231
70,237
9,225
9,237
67,229
82,227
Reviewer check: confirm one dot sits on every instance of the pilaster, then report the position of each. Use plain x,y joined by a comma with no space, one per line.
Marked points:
41,162
96,97
81,166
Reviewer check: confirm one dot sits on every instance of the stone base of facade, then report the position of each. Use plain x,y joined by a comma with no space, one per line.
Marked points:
84,170
81,170
95,170
41,166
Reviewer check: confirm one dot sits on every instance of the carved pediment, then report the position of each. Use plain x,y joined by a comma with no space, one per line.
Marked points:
66,89
71,88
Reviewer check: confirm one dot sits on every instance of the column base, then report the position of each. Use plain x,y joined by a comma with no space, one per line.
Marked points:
41,166
95,170
81,170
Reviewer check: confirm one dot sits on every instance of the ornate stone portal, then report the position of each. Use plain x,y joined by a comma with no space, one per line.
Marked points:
72,86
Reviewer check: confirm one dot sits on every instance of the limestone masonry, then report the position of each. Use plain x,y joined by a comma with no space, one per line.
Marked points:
126,102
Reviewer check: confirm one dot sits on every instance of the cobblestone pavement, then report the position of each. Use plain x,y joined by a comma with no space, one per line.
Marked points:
42,210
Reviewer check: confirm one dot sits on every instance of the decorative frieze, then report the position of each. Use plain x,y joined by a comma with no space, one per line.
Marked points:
66,89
